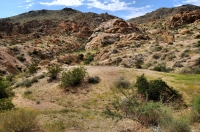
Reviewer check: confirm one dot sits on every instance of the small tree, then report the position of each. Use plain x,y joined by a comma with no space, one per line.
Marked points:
73,77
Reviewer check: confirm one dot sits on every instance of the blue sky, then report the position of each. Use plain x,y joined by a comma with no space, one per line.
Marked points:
122,8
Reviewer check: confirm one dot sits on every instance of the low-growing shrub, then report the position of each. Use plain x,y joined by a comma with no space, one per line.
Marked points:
3,88
73,77
28,92
93,79
18,121
162,68
156,90
40,76
34,80
26,83
195,113
21,58
88,58
53,72
6,104
33,68
122,83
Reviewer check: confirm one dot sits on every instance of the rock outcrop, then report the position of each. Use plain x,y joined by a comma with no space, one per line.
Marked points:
184,18
112,31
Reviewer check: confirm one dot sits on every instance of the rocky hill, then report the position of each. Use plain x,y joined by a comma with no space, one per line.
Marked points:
163,13
72,37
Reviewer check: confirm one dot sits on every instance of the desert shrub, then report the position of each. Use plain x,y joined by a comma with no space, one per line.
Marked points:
197,36
89,58
93,79
146,113
5,104
2,72
10,77
18,121
27,83
195,114
175,124
34,80
156,90
121,82
142,84
53,72
73,77
21,58
40,76
33,68
28,92
162,68
3,88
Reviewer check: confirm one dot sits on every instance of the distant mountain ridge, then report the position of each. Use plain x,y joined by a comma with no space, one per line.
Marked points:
163,13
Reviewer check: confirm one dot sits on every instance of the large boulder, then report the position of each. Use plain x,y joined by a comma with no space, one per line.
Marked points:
101,40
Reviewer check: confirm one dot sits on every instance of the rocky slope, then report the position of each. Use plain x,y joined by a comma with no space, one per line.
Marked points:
164,13
69,36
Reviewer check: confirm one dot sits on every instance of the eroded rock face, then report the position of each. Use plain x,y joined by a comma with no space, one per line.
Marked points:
101,40
81,30
184,18
9,62
116,26
111,31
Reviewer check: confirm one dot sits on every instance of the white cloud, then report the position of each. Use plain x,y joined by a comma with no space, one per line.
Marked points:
139,12
110,5
195,2
117,5
28,1
63,2
29,5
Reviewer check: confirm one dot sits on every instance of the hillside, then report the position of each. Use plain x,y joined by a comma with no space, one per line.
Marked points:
163,13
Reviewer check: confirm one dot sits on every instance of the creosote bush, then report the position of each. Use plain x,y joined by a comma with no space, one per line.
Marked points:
33,68
53,72
88,58
73,77
22,120
121,82
147,113
93,79
156,90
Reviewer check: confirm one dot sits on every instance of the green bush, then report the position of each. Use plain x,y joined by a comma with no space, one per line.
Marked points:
21,58
18,121
122,83
162,68
27,83
73,77
142,84
3,88
33,68
88,58
5,104
195,113
93,79
156,90
175,124
53,72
